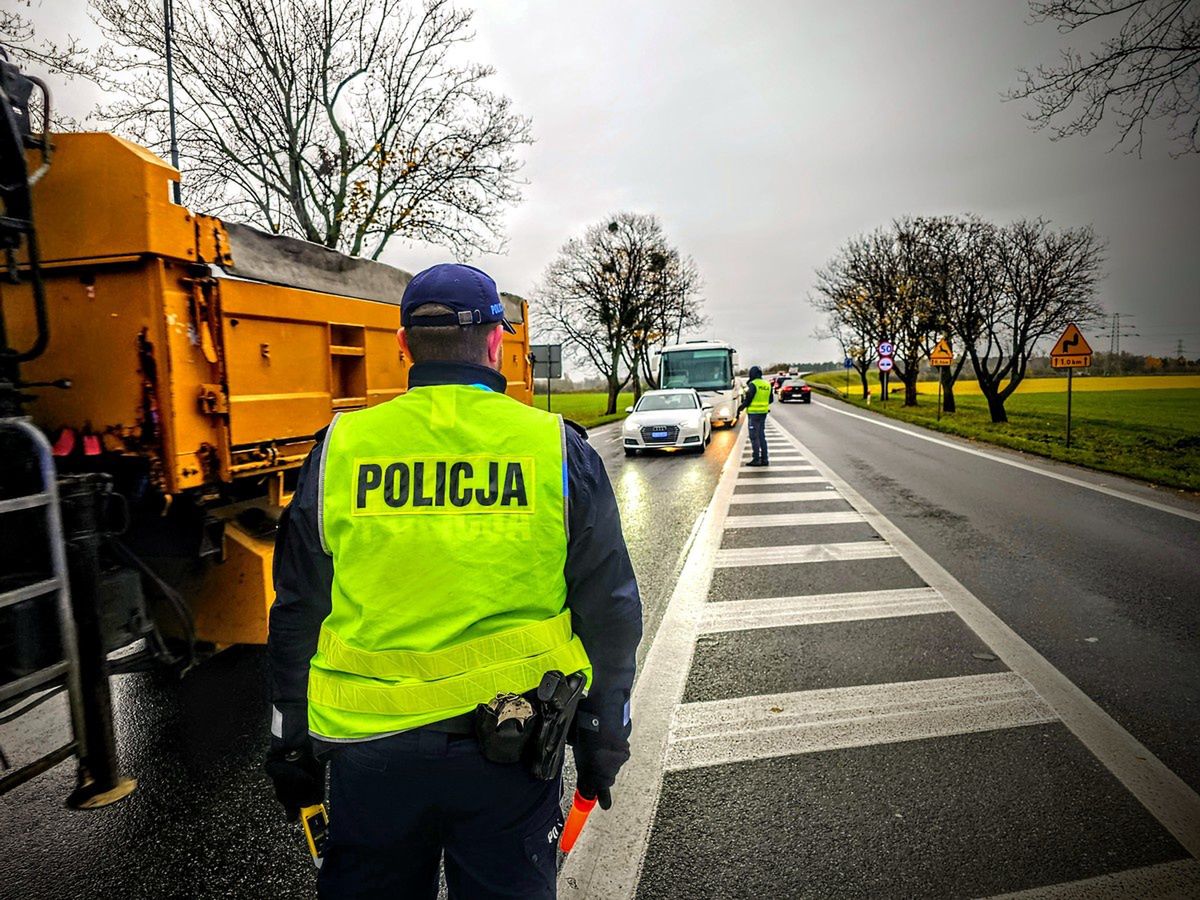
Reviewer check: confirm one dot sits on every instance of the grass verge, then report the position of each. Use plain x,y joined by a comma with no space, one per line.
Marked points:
586,408
1153,435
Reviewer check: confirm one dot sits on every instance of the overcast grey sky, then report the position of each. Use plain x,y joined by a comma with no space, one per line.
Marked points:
766,133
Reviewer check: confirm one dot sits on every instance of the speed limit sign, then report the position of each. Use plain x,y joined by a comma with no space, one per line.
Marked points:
885,364
886,348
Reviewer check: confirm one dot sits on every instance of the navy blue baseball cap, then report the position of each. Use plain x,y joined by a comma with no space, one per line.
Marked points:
468,292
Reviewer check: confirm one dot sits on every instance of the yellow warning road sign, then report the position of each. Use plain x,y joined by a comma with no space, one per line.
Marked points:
1071,350
942,355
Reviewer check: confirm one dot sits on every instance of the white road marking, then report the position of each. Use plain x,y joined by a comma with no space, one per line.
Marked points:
841,517
798,479
803,553
607,858
790,497
745,728
1167,796
1178,880
772,469
1017,464
816,609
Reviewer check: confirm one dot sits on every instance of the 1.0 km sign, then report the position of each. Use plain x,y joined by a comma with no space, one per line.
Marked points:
1071,351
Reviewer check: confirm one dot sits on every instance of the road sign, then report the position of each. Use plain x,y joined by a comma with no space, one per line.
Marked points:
886,348
547,360
848,363
1071,351
942,355
885,364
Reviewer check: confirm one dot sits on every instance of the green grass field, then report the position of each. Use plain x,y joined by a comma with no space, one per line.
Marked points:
1148,434
585,408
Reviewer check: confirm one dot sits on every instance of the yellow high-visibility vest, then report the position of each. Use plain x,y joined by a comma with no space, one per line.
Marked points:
762,397
445,512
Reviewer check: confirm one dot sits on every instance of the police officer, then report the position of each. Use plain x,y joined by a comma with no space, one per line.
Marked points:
441,548
757,401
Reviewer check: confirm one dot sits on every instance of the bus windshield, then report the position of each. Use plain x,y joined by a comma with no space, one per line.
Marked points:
704,370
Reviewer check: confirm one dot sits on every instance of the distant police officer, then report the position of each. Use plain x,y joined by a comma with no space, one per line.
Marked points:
443,552
757,402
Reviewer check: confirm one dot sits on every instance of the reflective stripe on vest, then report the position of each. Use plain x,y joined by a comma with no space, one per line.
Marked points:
431,699
762,397
480,653
444,510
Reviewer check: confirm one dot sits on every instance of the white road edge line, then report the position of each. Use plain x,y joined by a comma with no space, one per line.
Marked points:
1016,464
1176,880
607,860
1167,796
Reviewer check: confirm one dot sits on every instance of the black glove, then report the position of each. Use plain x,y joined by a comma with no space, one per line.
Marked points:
604,796
299,779
597,763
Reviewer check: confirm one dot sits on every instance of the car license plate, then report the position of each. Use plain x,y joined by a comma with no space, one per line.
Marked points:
658,434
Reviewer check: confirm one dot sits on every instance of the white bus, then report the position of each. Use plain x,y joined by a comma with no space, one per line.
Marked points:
708,367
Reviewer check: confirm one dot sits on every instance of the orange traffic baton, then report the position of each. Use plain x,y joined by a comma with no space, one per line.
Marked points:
581,808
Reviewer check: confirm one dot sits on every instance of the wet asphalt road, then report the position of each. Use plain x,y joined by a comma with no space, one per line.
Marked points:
1104,588
203,821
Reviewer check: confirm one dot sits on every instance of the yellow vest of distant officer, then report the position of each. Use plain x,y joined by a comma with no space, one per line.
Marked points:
761,401
445,512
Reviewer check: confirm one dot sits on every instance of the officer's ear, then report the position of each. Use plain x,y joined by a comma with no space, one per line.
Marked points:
495,346
402,340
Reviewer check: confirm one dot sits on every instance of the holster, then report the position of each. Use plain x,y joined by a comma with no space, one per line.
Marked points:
533,727
558,697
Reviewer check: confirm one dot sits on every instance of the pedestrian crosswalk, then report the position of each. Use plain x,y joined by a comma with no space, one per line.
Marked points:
743,690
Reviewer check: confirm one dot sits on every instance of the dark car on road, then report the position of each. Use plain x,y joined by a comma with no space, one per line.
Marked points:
795,389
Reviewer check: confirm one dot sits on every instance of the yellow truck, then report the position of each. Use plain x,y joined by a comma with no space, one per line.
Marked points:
201,356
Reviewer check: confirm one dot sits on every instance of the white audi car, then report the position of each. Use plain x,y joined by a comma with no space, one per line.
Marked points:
673,419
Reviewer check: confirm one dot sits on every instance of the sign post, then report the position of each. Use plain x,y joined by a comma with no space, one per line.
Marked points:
1071,351
886,364
547,363
941,357
849,364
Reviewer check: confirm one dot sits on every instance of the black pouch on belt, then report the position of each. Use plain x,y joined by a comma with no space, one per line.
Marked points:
504,727
557,698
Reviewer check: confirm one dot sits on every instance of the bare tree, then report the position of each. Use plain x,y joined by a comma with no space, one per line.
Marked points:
20,42
1148,70
670,308
615,293
343,122
1046,278
933,248
856,345
881,268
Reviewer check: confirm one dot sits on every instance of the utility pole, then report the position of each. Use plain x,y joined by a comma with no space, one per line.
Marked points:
168,28
1115,331
1179,349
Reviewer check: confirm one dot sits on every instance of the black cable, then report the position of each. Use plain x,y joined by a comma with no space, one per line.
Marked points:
173,598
